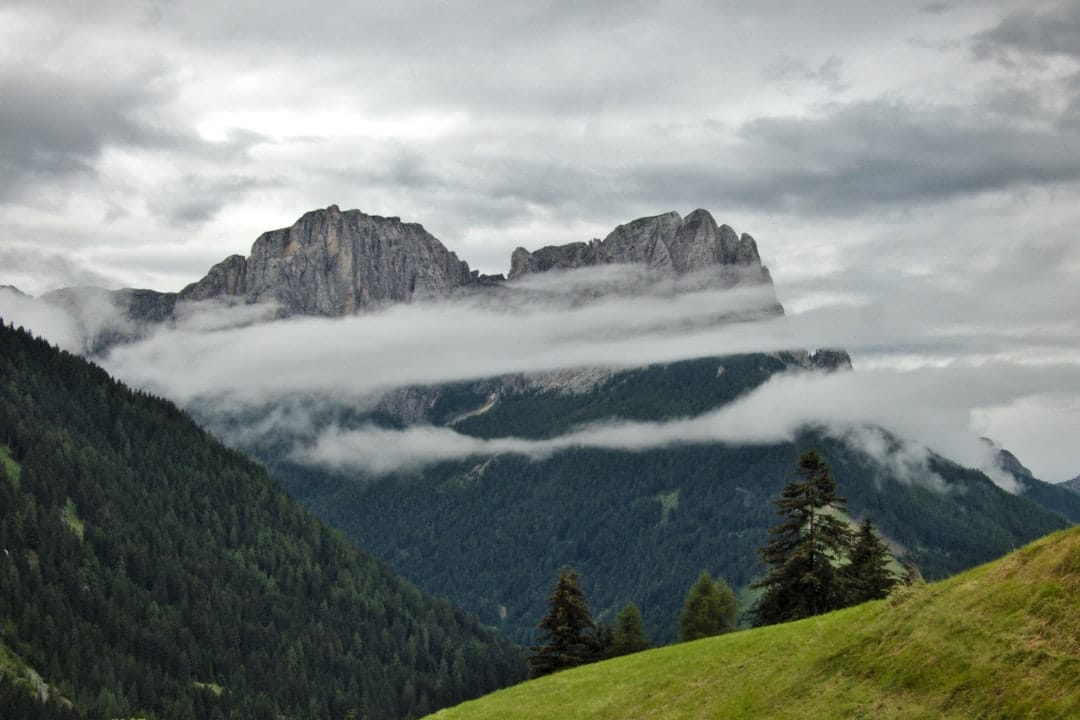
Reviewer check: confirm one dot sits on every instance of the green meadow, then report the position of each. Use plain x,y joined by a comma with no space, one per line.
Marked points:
999,641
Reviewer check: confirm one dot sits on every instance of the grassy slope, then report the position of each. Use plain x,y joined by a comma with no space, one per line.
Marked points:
999,641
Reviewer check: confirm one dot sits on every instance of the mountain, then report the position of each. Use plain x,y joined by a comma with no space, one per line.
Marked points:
1073,485
337,263
333,263
1056,498
995,642
491,531
150,571
665,244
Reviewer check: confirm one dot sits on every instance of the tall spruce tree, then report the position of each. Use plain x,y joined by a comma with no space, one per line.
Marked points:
629,635
867,575
710,609
570,635
802,580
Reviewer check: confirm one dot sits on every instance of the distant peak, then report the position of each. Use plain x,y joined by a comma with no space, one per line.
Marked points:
666,243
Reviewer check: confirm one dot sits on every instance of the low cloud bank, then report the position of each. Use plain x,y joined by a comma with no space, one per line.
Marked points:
429,343
924,369
923,408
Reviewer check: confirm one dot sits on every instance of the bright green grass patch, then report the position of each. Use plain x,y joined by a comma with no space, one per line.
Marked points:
1000,641
668,502
10,663
72,519
209,686
11,468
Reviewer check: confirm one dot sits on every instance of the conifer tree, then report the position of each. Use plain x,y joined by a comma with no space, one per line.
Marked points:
801,580
867,573
710,609
629,636
570,635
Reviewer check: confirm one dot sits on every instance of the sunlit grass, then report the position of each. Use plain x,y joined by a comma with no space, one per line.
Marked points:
999,641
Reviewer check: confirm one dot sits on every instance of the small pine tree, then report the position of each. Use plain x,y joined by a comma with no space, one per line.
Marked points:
802,580
570,636
710,609
867,575
629,635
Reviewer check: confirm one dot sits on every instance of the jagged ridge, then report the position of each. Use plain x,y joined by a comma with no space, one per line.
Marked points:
666,243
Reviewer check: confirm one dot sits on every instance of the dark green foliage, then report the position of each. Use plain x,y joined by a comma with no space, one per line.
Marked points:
19,701
569,636
1056,498
491,540
489,534
195,572
629,633
710,609
867,575
652,393
803,551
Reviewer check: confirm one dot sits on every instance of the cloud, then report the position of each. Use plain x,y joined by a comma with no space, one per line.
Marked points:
56,126
925,371
790,70
197,199
925,368
49,321
25,266
1052,29
437,342
141,143
929,408
855,157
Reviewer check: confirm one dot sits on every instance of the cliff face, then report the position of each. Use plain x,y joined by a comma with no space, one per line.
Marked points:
665,243
336,263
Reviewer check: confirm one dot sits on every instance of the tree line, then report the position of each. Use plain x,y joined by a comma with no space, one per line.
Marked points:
815,563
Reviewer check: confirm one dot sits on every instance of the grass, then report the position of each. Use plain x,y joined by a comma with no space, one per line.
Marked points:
668,502
999,641
11,468
72,519
209,686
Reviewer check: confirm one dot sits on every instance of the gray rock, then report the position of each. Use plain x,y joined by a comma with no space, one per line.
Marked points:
666,243
829,359
337,263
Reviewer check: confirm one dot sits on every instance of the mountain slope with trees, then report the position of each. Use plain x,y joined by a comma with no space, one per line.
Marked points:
490,532
999,641
148,570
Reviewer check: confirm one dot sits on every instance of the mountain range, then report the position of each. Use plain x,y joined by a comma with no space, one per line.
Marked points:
490,528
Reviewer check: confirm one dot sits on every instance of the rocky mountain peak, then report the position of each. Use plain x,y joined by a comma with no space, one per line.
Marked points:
331,262
667,243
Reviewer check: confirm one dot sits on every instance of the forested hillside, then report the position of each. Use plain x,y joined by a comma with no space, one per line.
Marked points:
149,571
640,526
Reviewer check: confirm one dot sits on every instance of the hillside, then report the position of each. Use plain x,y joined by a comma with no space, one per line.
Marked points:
490,533
150,571
1000,641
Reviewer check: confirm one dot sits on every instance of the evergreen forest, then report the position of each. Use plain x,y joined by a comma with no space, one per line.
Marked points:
149,571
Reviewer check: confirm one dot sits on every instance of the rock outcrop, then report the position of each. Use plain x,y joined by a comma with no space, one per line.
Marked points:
665,243
830,359
336,263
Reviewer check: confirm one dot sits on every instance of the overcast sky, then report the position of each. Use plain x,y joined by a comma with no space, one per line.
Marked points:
914,162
